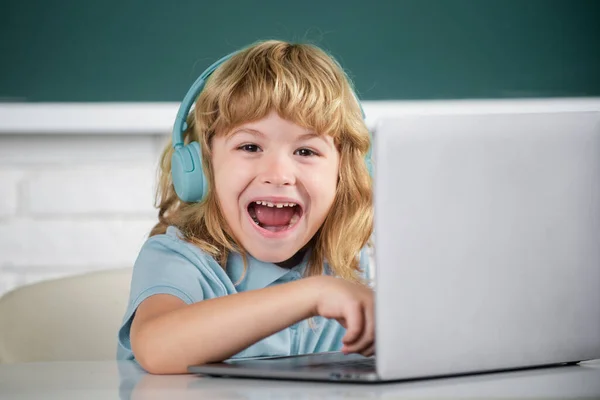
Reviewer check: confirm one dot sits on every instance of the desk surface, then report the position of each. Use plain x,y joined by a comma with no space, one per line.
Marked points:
125,380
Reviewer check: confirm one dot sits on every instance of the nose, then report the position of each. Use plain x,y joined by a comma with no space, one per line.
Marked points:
277,169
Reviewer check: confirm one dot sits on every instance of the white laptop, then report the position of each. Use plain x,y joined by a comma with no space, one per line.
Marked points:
487,249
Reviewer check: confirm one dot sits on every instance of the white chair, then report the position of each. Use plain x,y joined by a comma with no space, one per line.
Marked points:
67,319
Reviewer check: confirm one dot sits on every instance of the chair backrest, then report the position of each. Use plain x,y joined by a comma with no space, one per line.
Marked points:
67,319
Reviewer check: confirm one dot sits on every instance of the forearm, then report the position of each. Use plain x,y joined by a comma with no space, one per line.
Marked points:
216,329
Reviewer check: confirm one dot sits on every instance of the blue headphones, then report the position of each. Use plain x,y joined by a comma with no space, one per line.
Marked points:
190,183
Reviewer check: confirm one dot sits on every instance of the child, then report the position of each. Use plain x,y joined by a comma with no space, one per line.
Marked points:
265,211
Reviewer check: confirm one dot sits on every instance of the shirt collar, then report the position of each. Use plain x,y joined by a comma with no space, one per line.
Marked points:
260,274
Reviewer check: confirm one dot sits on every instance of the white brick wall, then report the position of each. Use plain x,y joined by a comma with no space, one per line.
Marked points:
73,203
98,189
9,187
66,243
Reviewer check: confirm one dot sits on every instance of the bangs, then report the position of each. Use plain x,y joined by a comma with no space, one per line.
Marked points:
299,82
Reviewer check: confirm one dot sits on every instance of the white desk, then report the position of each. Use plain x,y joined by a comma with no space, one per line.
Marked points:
125,380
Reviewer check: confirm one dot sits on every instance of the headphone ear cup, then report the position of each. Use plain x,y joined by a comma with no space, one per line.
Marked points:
186,170
368,160
369,165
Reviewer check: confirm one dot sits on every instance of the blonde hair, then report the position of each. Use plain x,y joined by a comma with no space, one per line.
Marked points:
303,84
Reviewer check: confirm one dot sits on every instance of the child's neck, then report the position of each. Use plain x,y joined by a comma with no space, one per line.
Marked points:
294,260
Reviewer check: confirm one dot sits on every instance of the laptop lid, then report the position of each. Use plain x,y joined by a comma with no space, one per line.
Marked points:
487,232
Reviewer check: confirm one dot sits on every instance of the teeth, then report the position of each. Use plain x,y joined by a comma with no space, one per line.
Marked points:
278,205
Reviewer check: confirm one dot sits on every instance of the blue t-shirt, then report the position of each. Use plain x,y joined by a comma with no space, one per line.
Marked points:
167,264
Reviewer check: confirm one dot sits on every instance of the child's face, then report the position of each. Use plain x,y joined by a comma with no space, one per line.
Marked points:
263,167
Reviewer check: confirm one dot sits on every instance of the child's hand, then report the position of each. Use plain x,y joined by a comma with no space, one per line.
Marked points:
352,305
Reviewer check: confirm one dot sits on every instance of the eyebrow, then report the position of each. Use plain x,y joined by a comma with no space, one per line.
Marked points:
247,130
311,135
255,132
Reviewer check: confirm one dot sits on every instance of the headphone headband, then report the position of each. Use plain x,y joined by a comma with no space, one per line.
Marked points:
180,124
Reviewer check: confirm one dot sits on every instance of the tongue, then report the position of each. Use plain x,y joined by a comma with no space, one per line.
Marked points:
273,216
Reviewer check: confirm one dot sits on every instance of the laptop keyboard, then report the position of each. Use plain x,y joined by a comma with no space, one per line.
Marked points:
363,365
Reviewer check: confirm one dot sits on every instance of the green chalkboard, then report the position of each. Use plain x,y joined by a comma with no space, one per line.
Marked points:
152,50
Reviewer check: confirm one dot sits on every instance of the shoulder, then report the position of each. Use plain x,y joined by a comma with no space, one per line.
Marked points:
170,257
172,244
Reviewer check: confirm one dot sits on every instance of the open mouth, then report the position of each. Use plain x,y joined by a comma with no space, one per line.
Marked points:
274,217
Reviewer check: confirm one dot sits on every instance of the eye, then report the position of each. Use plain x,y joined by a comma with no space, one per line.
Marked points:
304,152
250,148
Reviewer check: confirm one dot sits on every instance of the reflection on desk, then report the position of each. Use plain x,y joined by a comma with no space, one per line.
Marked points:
126,380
